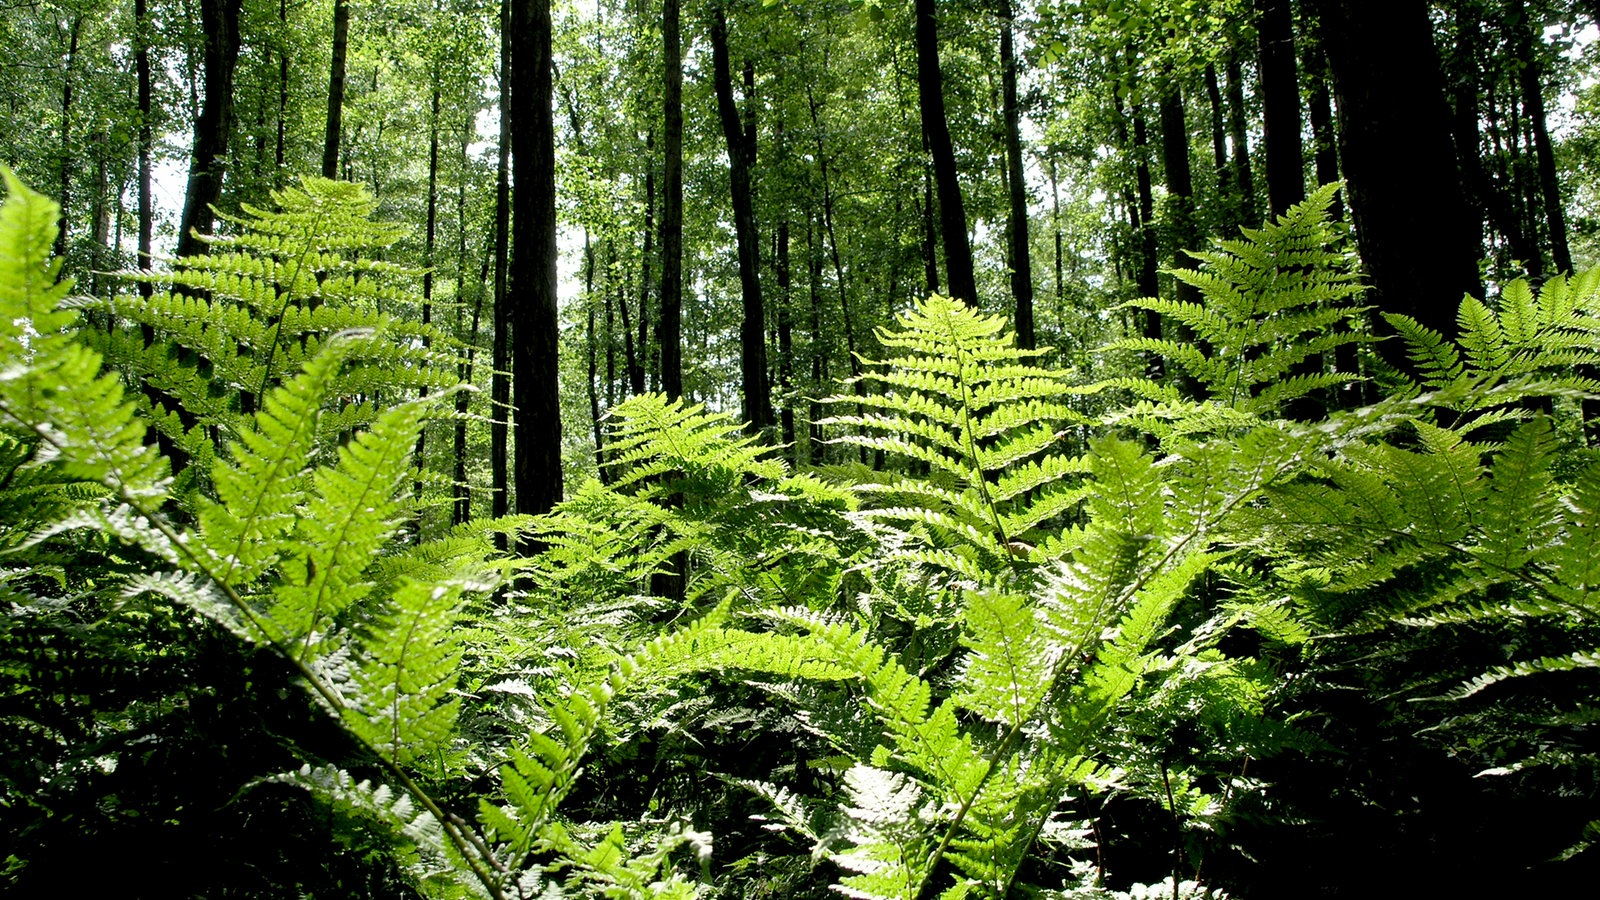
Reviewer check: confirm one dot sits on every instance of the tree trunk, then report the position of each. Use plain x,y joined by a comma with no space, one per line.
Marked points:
818,452
669,329
500,386
141,64
213,127
1179,210
1325,146
592,352
936,128
430,235
536,360
1530,79
1223,167
1280,103
1021,261
62,234
1243,174
741,147
785,341
330,140
283,92
1411,222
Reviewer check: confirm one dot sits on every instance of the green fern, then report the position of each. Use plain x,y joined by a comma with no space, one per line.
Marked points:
986,422
1272,304
221,329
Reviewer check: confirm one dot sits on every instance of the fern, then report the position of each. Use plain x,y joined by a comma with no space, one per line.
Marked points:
986,422
220,330
1274,306
1530,344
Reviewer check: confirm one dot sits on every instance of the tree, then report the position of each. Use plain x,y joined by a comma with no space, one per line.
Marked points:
536,351
936,131
213,127
740,140
1397,156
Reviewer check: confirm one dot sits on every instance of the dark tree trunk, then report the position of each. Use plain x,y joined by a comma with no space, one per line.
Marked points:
330,139
461,510
536,361
283,92
500,385
429,241
930,232
636,357
741,147
1280,103
1229,203
669,329
1463,70
1411,223
213,127
1180,184
1021,262
62,234
141,64
1325,146
1149,246
936,128
592,352
785,341
1530,79
818,452
1243,174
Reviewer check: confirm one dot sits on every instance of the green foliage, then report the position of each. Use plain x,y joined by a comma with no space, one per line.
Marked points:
1275,305
218,331
987,425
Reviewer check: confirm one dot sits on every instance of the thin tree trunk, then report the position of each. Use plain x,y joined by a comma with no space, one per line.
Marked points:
500,387
740,144
1280,103
785,341
141,63
213,127
1243,174
536,362
636,358
1219,154
592,352
1530,78
819,360
1021,257
1325,146
283,91
62,234
430,235
330,140
670,327
952,213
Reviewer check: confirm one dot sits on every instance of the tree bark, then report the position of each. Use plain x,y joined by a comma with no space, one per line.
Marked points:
1179,209
741,147
1243,174
213,127
75,31
1325,146
1280,103
1410,219
669,329
500,385
536,360
1219,153
141,65
1530,79
1021,261
330,139
936,128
